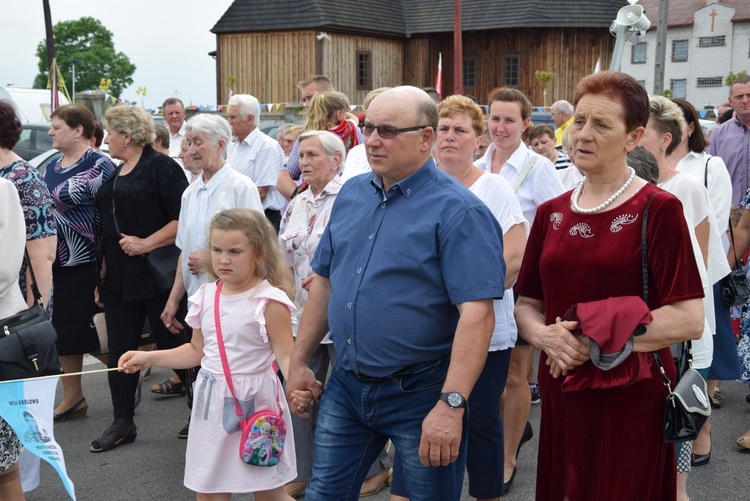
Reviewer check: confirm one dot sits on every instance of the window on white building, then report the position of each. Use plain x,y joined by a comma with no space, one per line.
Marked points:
679,88
510,70
638,54
710,82
712,41
679,51
642,83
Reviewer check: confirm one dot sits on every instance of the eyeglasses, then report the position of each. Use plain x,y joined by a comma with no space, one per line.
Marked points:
388,131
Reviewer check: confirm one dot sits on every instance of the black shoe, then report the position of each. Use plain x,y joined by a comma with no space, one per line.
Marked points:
122,431
528,434
183,433
700,459
506,485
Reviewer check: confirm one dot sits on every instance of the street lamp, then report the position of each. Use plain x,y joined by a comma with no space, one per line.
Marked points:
73,63
631,24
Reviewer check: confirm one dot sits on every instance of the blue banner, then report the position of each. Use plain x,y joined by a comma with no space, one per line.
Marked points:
27,405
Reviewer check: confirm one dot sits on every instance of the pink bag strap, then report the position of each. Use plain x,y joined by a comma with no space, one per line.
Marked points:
223,355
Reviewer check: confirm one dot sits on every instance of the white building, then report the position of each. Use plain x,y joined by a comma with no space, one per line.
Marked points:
706,39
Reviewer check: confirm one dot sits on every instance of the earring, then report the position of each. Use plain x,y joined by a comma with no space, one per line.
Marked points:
127,144
76,140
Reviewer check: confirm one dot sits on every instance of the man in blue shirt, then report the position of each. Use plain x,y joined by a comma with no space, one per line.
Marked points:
407,269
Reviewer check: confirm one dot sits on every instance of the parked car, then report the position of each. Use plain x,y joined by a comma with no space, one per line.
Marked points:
34,140
707,126
542,117
43,160
271,131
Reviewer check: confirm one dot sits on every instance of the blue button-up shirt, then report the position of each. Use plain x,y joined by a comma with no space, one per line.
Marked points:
731,142
399,264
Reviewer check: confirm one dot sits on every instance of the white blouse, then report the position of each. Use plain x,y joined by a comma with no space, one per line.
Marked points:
13,237
541,184
498,195
697,207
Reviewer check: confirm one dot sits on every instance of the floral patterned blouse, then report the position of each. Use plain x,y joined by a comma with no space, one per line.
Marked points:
36,201
301,228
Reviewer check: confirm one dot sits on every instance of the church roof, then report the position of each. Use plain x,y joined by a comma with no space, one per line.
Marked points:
405,18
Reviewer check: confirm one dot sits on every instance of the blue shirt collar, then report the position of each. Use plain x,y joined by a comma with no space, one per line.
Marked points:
411,183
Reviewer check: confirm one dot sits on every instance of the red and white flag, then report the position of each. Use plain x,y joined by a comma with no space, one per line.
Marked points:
439,78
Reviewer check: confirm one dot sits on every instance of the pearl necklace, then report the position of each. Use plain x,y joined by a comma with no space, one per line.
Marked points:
577,194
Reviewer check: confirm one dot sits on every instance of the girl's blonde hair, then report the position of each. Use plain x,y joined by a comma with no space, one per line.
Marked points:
262,237
323,106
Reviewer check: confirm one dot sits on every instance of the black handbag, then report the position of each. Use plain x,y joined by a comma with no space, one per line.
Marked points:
687,406
27,343
735,287
161,262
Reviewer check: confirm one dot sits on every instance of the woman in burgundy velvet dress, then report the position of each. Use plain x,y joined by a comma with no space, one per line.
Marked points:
605,441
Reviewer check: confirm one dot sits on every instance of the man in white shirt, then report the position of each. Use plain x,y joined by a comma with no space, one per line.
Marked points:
255,154
174,113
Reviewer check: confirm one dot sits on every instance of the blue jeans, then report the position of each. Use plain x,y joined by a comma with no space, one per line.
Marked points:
357,418
484,459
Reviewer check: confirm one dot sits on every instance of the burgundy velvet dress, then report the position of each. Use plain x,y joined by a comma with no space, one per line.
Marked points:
606,444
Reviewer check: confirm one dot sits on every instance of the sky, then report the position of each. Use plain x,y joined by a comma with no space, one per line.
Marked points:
167,40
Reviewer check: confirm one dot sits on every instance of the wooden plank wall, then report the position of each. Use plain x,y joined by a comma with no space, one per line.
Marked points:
269,65
266,65
340,63
570,54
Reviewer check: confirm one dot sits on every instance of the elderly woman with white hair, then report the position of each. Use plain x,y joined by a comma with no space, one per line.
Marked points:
321,160
136,213
219,187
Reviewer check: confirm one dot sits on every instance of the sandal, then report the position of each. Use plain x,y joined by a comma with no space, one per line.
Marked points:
744,440
169,387
122,431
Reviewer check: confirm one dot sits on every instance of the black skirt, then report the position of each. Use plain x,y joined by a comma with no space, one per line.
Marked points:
73,309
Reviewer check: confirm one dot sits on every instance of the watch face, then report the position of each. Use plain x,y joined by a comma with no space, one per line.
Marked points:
455,399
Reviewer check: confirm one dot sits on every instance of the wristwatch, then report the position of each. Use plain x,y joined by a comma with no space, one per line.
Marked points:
454,399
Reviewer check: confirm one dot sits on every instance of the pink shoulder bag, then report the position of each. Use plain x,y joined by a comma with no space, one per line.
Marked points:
264,432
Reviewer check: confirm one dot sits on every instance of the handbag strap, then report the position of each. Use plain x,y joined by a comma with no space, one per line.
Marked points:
114,210
705,172
223,355
525,172
737,264
644,264
34,287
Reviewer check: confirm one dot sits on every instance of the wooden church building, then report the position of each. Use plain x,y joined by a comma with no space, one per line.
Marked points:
265,47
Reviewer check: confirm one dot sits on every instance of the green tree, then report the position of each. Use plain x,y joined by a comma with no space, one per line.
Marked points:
734,76
90,43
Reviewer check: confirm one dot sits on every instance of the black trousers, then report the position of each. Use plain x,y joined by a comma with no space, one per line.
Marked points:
124,327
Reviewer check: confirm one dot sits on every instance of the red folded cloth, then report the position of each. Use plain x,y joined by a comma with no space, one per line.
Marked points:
609,324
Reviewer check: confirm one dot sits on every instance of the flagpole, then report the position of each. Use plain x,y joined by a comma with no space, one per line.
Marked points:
61,375
458,51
